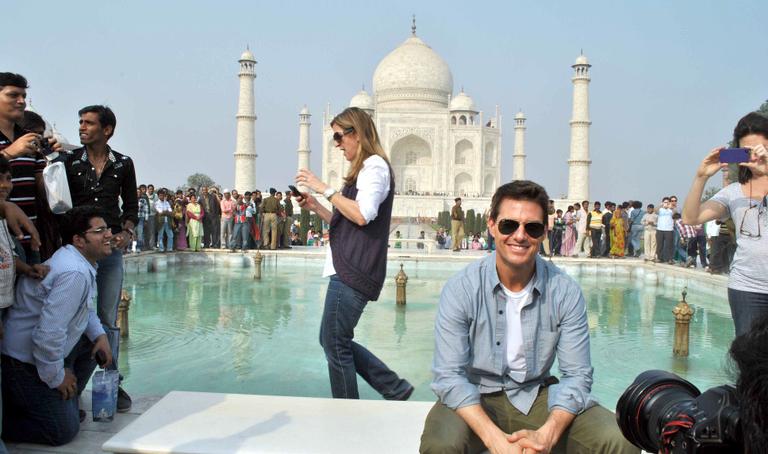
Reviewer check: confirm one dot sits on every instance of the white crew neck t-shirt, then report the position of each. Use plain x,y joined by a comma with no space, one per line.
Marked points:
515,347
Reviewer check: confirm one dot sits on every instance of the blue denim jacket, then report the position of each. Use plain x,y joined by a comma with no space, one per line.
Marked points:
470,340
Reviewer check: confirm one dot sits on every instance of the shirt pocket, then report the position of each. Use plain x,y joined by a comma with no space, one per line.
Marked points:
546,346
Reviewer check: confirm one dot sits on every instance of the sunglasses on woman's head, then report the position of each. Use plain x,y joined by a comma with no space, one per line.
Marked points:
337,136
510,226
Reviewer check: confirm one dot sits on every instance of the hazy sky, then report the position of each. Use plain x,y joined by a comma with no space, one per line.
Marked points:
669,79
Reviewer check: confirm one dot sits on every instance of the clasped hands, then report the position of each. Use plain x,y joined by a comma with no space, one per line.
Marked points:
523,442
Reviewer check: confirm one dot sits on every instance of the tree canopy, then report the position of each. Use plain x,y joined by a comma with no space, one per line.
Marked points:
197,180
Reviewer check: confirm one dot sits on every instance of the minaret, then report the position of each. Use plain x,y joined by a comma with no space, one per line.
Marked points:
578,164
303,150
518,159
245,152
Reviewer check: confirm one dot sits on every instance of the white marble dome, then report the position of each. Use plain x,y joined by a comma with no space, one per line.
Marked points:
413,72
581,60
247,55
462,101
519,116
362,100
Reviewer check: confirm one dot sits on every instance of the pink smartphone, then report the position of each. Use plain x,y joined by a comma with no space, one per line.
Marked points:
730,155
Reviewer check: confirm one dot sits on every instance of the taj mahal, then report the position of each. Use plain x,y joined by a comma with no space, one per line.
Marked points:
440,145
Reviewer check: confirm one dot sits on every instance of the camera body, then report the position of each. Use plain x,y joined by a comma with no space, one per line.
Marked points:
661,412
45,146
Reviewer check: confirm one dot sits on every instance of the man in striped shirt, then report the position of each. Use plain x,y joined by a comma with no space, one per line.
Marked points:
23,151
53,337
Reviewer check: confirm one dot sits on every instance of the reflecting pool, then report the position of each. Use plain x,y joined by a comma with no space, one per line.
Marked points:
206,328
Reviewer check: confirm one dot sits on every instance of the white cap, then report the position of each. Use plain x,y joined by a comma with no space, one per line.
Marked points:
225,191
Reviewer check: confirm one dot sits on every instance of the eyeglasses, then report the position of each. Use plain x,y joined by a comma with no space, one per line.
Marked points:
532,229
760,209
337,136
98,231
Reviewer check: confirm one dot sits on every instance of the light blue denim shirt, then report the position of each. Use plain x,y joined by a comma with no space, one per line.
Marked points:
470,340
50,315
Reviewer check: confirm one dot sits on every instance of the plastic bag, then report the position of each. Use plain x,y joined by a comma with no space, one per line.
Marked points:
57,188
104,394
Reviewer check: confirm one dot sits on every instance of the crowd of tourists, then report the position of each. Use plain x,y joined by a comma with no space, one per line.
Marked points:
655,233
192,220
62,277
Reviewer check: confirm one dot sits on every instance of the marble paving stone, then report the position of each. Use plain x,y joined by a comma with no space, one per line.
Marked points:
188,422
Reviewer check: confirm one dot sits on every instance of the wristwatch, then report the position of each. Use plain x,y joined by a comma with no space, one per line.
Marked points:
328,193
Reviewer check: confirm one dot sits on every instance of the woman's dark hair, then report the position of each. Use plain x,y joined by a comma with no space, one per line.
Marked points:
13,79
520,190
749,353
106,116
751,123
637,204
77,221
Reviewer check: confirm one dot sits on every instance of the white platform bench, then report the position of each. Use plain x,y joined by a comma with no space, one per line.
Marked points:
195,422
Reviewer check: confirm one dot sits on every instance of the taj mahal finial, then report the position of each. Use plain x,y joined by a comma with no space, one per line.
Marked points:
413,25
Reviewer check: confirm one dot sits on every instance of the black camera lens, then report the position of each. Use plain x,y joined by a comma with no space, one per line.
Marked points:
653,399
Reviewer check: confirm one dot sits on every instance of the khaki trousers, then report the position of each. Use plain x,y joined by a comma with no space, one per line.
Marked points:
286,230
270,224
593,432
649,244
457,233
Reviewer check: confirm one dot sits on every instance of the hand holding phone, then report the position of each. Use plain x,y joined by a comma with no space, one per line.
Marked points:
294,190
734,155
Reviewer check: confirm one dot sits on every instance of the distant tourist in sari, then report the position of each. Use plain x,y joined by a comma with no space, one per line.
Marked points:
194,224
179,208
569,239
618,232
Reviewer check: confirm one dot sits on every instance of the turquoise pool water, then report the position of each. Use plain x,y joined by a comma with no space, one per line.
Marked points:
200,328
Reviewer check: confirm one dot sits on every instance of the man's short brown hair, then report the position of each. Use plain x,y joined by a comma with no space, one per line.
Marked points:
520,190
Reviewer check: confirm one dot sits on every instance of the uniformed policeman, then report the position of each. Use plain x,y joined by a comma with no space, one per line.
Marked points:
270,206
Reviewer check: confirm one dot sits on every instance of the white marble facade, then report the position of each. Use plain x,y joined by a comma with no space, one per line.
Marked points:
440,145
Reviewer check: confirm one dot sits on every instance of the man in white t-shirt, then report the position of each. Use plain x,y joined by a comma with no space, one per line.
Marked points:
583,239
500,324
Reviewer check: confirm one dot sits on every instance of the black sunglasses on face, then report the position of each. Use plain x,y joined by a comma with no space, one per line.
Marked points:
337,136
532,229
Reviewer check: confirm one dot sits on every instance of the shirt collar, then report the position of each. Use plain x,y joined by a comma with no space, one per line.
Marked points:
111,156
540,276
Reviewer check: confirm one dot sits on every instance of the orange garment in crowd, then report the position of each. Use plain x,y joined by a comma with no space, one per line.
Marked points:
618,232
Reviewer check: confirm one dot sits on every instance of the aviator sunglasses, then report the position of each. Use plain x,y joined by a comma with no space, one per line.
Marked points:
510,226
337,136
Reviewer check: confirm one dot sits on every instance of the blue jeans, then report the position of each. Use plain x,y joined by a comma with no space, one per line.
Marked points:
165,227
346,358
634,240
746,307
109,285
140,234
39,413
240,236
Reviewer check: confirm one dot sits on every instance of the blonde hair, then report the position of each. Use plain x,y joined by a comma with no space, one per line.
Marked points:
362,124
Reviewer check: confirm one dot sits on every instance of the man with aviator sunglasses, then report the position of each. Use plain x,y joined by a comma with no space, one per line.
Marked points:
500,324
